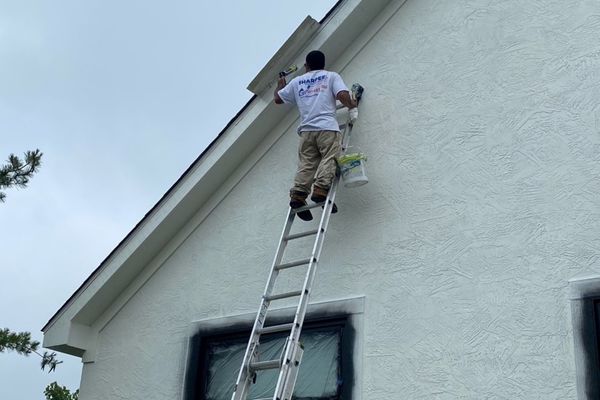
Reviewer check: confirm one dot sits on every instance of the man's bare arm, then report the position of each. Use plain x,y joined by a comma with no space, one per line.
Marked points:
345,98
280,85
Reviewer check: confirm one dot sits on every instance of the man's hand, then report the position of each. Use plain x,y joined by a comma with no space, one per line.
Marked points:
345,98
353,115
280,85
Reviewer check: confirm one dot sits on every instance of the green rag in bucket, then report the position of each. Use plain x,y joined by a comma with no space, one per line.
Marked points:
348,158
348,163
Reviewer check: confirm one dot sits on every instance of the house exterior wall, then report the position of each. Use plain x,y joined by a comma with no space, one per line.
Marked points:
480,122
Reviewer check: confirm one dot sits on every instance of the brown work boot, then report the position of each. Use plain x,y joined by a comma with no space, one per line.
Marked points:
319,195
297,200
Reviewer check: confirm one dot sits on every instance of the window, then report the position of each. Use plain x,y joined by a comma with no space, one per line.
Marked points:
597,333
325,372
585,311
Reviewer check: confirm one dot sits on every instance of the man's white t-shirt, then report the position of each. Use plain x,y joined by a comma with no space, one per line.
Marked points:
314,93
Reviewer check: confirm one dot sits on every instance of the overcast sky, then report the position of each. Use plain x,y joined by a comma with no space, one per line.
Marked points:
121,97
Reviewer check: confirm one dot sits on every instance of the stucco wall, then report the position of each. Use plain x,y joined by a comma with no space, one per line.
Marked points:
480,120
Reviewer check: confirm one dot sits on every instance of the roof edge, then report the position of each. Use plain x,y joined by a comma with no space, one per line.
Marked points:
146,216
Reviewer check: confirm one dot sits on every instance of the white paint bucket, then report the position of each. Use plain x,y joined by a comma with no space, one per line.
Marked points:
353,169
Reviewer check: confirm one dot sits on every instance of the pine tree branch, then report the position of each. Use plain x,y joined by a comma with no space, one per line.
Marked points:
21,343
49,360
17,172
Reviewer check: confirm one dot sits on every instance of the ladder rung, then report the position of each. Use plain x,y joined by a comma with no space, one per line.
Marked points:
260,365
283,295
302,234
321,203
292,264
277,328
308,207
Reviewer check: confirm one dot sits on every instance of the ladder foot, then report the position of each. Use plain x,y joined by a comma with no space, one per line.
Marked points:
304,215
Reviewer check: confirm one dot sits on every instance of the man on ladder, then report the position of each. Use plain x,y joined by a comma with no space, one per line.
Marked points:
315,93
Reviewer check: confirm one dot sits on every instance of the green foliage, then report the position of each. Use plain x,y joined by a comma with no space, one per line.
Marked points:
55,392
49,360
21,343
17,172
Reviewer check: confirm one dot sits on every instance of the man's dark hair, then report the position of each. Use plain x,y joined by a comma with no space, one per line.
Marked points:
315,60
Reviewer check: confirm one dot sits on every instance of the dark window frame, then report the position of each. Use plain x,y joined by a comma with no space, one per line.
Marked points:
198,360
596,311
587,343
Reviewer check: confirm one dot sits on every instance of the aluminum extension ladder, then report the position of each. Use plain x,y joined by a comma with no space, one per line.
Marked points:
289,362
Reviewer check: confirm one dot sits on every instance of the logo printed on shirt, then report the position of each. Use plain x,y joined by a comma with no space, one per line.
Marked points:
314,86
312,80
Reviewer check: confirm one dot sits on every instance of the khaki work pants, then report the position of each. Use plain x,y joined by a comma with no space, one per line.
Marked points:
317,154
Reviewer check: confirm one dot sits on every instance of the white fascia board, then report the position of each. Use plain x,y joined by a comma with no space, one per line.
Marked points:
70,338
69,330
290,48
332,37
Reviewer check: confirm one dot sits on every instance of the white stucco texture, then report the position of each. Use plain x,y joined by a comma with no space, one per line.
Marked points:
481,125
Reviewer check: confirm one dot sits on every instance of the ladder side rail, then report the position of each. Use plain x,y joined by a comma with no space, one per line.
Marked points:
273,273
285,383
316,254
242,382
346,137
294,335
310,276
